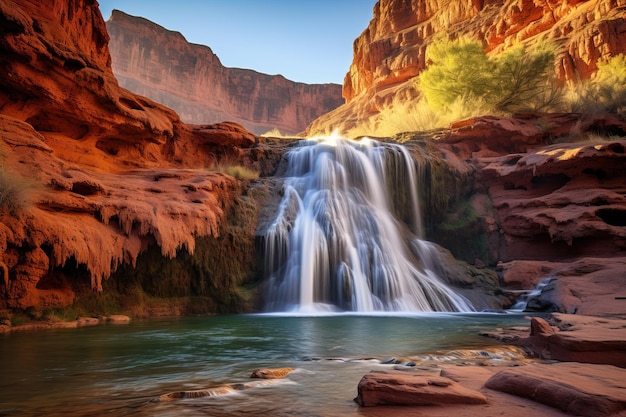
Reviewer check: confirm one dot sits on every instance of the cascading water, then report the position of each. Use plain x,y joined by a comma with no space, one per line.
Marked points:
336,244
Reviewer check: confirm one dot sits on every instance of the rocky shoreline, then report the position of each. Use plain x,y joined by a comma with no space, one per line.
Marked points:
488,382
580,369
574,365
6,327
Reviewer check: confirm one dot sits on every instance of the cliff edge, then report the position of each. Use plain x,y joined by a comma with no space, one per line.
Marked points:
153,61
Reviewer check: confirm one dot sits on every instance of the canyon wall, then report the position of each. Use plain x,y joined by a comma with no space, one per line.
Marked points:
94,177
153,61
392,50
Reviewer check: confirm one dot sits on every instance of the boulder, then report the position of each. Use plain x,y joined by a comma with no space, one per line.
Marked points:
403,388
271,373
576,389
579,339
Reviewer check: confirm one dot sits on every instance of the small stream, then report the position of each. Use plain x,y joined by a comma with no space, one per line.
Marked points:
122,370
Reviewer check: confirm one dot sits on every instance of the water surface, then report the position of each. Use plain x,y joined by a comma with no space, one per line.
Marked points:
121,370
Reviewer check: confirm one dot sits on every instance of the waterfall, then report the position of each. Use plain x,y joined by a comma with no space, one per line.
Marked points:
337,243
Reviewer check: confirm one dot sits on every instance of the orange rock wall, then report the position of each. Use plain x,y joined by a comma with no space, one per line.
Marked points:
108,172
392,48
153,61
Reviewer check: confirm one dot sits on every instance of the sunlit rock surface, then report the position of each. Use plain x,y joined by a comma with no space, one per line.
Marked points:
402,388
392,49
153,61
576,389
105,173
578,338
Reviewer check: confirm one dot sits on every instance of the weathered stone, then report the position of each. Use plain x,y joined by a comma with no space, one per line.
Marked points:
579,390
393,49
539,326
112,173
268,373
377,388
118,319
584,339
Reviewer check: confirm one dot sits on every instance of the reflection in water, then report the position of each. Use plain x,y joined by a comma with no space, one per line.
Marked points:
123,370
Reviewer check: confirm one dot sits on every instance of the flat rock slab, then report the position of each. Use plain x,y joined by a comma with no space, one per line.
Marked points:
580,339
379,388
577,389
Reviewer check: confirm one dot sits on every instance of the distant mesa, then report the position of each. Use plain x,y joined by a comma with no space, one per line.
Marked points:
189,78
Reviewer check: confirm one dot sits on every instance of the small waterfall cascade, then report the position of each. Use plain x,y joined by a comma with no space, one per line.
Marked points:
522,301
337,244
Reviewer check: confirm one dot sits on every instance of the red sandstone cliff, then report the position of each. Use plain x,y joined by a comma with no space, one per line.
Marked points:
153,61
109,172
392,49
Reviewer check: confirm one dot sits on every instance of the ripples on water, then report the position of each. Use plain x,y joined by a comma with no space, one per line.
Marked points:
122,370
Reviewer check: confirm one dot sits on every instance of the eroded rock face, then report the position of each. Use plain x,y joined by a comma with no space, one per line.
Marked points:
104,174
189,78
392,49
401,388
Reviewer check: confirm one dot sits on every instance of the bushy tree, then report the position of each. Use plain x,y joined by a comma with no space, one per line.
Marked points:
605,92
525,79
459,69
518,79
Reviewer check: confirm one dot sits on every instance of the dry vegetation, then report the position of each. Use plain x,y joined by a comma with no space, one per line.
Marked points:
462,82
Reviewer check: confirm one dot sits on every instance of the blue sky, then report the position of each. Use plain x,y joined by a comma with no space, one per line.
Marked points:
307,41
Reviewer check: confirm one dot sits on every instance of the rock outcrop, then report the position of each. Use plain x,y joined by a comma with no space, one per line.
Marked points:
94,175
537,206
402,388
577,390
153,61
392,49
576,338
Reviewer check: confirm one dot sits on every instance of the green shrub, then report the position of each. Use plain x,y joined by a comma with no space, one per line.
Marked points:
525,80
605,92
518,79
239,172
459,69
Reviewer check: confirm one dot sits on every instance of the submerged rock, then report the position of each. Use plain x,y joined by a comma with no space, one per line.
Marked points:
275,373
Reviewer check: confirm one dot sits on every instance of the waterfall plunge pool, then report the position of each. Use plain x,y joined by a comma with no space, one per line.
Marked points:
122,370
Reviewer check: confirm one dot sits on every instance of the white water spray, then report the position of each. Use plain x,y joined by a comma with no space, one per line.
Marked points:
336,243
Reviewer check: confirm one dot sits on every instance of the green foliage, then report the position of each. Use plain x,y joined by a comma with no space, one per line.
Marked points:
524,80
518,79
459,69
242,173
605,92
239,172
15,192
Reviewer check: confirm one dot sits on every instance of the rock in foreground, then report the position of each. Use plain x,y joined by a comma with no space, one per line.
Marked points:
577,389
378,388
267,373
581,339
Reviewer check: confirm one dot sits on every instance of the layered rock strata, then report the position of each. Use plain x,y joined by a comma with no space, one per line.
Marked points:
392,50
519,196
153,61
94,175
